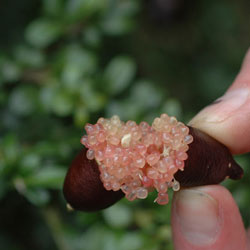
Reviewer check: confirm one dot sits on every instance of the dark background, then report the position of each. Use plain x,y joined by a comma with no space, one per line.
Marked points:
65,63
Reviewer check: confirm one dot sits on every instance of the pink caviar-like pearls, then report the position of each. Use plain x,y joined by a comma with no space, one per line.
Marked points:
138,158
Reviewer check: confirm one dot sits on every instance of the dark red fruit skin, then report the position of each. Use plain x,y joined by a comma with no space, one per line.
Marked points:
209,162
83,188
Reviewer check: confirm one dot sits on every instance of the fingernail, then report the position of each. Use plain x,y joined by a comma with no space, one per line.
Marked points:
198,216
224,107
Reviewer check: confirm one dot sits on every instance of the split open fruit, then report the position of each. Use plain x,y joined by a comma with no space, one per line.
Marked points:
134,159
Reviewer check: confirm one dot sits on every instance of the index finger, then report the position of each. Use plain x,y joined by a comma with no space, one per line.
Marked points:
228,118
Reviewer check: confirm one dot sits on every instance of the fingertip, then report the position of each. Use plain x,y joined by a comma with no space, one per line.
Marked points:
243,78
206,218
228,118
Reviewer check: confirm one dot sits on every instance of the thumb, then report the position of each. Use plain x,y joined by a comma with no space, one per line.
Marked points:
207,218
228,118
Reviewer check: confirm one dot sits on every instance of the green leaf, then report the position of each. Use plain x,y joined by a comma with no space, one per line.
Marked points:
131,241
62,103
92,36
117,20
173,108
126,110
145,96
119,74
46,177
164,233
23,100
81,116
42,32
38,197
10,150
53,7
29,163
107,239
29,56
118,216
9,71
48,93
78,62
79,9
117,26
110,241
143,218
93,100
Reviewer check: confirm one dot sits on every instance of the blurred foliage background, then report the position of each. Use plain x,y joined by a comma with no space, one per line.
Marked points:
67,62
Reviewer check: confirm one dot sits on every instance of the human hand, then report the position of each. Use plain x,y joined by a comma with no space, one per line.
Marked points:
207,217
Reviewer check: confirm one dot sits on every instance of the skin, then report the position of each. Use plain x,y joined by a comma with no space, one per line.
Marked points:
228,121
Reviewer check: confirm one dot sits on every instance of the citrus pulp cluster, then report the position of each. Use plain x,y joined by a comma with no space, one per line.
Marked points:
138,158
